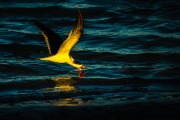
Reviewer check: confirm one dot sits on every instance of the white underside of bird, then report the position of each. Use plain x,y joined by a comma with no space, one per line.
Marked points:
63,58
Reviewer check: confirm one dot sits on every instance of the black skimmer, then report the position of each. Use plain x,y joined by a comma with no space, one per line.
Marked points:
59,50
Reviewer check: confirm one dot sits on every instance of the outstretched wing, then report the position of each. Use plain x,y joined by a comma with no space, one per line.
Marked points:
74,35
52,39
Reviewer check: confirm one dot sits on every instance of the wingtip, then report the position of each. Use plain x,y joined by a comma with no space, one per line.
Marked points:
38,24
35,21
80,18
79,14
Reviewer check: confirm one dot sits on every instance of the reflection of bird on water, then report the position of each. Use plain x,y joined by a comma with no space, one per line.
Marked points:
65,83
59,50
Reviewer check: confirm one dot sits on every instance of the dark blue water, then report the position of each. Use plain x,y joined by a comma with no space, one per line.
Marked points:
131,50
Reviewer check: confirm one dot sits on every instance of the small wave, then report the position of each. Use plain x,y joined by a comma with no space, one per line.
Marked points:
139,57
169,72
82,87
16,69
43,11
22,50
72,81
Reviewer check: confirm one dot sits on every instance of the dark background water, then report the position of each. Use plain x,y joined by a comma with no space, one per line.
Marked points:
128,46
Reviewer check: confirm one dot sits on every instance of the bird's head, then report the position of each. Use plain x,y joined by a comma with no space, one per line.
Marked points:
82,66
78,65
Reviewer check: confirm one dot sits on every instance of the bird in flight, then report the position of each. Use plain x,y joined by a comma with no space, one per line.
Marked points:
59,50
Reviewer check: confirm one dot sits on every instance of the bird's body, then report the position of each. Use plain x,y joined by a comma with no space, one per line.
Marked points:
60,50
59,58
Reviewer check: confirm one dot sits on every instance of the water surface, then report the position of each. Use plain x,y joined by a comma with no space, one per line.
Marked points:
130,48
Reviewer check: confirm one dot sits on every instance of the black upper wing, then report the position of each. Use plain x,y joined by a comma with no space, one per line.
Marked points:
52,39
